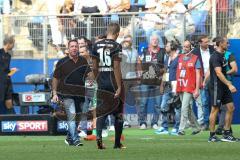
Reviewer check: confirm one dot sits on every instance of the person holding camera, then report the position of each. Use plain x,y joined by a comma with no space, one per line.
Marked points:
168,88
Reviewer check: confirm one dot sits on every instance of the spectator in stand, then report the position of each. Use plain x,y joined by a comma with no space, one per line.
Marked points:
137,5
222,10
175,22
118,6
67,24
188,84
152,61
200,14
57,36
7,10
92,6
164,7
35,26
152,23
5,6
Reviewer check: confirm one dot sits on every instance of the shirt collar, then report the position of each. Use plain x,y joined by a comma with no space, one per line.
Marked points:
207,50
150,49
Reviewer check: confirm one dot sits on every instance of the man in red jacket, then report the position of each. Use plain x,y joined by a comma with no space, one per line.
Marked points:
188,83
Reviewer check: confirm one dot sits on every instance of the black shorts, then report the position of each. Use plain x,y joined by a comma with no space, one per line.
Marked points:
107,104
220,96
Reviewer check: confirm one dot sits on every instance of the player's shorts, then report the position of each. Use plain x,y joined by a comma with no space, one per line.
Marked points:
107,104
220,96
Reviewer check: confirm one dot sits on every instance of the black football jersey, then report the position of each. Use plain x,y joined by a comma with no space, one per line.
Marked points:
106,51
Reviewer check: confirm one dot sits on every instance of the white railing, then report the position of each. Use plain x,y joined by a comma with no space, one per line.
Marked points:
37,36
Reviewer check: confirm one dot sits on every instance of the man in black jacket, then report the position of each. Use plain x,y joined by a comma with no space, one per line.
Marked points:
5,79
152,61
203,52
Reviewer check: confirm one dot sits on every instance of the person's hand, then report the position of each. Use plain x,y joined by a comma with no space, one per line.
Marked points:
55,98
204,84
161,89
117,93
13,71
196,93
232,88
90,75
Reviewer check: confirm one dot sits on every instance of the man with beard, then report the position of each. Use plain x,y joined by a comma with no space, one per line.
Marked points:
221,91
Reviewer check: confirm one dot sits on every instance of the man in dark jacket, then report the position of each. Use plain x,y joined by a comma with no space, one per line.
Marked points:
152,61
5,79
203,52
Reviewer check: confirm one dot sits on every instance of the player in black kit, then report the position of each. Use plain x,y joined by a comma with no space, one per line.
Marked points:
220,91
106,67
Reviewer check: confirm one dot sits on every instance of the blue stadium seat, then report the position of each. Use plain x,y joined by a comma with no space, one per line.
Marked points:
136,6
140,2
186,2
114,18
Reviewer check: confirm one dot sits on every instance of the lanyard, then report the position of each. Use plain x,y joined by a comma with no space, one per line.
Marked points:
129,54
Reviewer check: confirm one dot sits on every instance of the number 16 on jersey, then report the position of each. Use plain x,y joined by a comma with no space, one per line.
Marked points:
105,58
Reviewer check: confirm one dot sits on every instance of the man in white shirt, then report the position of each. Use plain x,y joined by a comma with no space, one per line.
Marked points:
203,52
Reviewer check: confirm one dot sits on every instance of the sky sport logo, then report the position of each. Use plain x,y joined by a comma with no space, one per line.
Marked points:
24,126
9,126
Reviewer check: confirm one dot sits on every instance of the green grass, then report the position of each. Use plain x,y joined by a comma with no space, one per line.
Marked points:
141,145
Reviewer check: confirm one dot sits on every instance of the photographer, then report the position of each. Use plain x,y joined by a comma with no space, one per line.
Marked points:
169,90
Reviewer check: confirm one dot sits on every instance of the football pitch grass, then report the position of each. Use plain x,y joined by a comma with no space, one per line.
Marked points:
141,145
